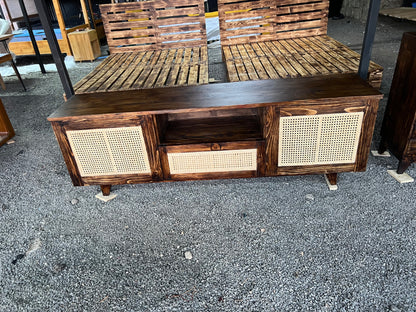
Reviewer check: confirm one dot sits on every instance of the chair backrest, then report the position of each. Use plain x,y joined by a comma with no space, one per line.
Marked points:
154,25
245,21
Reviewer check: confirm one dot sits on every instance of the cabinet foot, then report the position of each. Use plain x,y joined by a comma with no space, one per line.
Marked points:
106,189
331,180
382,147
403,165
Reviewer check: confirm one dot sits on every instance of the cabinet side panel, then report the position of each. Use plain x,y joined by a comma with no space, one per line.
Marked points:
152,140
401,106
67,153
367,130
270,124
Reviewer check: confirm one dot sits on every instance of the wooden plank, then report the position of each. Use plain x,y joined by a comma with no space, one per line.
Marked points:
309,63
263,20
84,85
273,60
329,59
401,13
199,98
183,74
347,58
119,71
106,73
312,53
290,59
138,57
129,26
136,71
166,68
173,75
252,74
61,23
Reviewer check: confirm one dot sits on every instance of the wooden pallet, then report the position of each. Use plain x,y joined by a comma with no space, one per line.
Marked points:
300,57
154,25
147,69
152,44
283,39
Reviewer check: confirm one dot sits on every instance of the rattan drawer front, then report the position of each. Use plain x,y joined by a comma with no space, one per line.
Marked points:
109,151
319,139
213,161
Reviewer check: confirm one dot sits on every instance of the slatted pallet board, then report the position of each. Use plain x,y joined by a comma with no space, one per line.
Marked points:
154,25
263,39
152,44
300,57
147,69
264,20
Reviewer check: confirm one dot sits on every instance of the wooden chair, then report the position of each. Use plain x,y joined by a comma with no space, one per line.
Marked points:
266,39
7,57
152,44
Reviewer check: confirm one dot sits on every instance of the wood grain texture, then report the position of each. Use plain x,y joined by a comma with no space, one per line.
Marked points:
70,162
399,124
221,129
299,57
270,122
147,69
6,128
154,25
264,20
367,129
218,117
152,141
311,91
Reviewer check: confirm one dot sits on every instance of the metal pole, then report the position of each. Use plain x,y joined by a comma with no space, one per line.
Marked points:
370,31
32,36
54,46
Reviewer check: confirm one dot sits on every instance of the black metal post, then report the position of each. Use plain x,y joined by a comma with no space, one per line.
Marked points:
370,31
54,46
32,36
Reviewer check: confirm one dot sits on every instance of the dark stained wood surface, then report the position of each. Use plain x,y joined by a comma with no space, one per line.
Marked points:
248,94
6,128
262,20
154,25
300,57
193,131
147,69
399,124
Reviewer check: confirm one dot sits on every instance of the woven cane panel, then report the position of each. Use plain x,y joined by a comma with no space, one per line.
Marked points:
109,151
319,139
216,161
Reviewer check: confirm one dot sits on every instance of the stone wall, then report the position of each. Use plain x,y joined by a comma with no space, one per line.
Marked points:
359,8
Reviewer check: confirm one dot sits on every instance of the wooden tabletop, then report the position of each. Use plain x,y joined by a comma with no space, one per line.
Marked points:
247,94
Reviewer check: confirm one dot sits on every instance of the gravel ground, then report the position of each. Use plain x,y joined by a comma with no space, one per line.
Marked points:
267,244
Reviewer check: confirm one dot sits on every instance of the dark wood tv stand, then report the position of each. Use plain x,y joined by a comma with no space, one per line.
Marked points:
231,130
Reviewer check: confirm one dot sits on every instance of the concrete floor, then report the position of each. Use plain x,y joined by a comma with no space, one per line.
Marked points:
269,244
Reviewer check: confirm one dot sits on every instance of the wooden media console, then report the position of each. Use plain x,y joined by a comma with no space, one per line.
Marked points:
318,125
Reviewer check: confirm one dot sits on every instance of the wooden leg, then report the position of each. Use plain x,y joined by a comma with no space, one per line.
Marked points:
18,74
332,178
106,189
382,146
3,86
403,165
